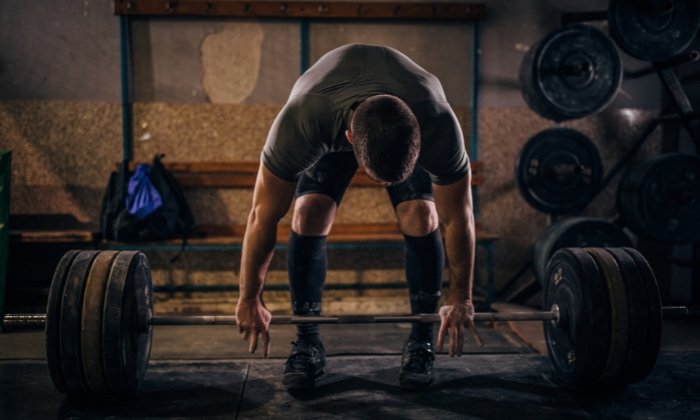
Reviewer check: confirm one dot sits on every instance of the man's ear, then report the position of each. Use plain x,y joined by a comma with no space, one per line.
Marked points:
348,135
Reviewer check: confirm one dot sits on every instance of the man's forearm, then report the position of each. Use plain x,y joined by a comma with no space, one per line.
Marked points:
258,249
460,246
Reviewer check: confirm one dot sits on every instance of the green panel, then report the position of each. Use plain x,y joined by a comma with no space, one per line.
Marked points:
5,172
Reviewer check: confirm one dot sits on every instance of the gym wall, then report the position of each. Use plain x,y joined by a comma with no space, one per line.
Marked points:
208,89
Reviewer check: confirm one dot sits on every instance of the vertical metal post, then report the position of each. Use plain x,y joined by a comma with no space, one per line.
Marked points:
475,91
303,45
127,86
696,274
473,143
680,100
5,174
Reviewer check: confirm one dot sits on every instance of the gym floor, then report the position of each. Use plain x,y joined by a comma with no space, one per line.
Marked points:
205,372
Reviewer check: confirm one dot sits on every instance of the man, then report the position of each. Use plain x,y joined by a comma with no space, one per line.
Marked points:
372,106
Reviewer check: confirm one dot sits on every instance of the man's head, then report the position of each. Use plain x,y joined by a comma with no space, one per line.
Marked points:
385,137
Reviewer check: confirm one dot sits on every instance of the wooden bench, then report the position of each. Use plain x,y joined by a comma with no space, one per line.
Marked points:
230,237
342,235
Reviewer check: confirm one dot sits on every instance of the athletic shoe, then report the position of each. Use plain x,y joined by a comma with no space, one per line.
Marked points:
416,365
304,365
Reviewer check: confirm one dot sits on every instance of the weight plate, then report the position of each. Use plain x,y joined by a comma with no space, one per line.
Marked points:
126,331
619,316
638,314
71,314
91,329
576,232
559,170
653,30
53,321
651,350
660,198
578,345
574,71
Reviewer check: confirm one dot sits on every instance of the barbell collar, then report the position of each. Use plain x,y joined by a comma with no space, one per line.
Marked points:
14,322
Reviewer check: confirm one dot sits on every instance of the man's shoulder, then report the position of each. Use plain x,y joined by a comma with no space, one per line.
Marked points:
433,108
310,104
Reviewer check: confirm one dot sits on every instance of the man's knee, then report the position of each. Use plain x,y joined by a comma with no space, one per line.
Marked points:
313,214
417,217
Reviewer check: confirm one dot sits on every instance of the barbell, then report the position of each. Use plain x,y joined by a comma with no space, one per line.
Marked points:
602,319
574,71
559,171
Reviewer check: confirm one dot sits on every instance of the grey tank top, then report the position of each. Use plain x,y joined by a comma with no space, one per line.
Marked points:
313,121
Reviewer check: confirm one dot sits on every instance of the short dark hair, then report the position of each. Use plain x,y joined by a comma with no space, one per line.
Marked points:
386,138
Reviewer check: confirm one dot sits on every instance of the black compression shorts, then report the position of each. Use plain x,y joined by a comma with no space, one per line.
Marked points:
333,173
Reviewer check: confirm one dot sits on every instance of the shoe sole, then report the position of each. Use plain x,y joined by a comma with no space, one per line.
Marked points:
300,381
414,381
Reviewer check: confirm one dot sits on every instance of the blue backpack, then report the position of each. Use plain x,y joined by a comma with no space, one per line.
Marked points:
148,205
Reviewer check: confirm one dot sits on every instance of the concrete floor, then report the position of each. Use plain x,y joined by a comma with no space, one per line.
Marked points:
205,372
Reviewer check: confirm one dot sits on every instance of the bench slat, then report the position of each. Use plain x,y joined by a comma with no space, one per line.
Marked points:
243,174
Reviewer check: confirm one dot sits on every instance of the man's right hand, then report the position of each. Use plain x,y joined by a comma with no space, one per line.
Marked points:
253,318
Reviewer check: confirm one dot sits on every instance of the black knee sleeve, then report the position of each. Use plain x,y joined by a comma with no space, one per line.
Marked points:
306,265
425,262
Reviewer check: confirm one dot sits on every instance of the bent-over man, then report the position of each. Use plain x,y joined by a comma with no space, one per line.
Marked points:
372,106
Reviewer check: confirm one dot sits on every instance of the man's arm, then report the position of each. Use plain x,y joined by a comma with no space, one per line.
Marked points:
272,197
454,206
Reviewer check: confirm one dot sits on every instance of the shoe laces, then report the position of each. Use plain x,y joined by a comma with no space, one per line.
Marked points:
418,356
304,353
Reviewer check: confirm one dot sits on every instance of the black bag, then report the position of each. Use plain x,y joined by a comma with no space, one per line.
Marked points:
171,220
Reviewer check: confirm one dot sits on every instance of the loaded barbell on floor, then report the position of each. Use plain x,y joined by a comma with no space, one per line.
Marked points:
602,323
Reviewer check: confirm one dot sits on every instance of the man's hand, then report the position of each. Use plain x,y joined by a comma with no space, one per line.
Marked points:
452,320
253,318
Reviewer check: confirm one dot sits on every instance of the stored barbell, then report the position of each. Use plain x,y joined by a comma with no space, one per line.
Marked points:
575,232
602,319
559,171
654,30
574,71
660,198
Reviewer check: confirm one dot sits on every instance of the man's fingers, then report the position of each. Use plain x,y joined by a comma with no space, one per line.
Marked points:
253,343
477,337
266,344
453,341
460,339
441,336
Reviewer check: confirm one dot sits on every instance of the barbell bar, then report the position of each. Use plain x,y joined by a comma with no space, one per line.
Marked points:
37,321
14,322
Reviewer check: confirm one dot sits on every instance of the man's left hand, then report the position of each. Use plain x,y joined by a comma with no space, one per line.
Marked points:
452,320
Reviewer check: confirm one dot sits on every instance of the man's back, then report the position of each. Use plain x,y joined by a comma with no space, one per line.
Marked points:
351,73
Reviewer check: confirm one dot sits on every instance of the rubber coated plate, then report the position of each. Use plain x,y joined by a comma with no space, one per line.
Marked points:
576,232
53,321
91,331
572,72
638,314
660,198
653,30
651,350
559,171
619,316
71,313
576,348
126,331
